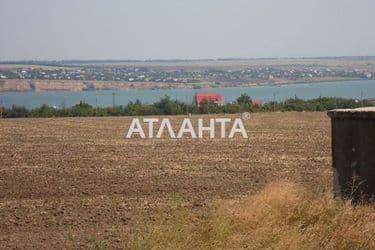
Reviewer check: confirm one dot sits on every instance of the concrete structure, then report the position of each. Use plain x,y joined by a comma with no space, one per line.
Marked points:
353,153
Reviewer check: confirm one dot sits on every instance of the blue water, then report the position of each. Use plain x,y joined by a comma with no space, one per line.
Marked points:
348,89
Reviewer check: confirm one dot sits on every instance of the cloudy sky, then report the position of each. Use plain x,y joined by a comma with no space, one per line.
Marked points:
166,29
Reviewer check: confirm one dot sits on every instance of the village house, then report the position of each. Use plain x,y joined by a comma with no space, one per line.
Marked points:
211,97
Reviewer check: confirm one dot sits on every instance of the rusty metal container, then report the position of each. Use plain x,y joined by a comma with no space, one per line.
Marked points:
353,153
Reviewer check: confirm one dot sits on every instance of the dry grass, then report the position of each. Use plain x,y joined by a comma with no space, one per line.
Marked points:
281,216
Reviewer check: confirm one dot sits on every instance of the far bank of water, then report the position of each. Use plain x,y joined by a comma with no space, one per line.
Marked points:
347,89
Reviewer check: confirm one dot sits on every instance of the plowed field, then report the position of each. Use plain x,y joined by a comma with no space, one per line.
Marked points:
73,182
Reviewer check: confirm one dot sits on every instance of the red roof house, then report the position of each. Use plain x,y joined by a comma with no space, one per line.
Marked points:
256,102
211,97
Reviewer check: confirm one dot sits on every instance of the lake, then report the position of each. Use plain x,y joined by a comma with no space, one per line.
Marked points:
348,89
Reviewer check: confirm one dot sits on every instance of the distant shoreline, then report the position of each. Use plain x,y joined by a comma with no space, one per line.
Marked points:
23,85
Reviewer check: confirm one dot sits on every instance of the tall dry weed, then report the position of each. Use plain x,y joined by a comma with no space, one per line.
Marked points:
283,215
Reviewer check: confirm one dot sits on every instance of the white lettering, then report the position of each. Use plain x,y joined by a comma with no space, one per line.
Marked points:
135,127
150,122
238,128
210,129
222,122
186,127
166,123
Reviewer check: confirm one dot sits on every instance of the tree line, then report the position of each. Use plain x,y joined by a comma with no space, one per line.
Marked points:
168,106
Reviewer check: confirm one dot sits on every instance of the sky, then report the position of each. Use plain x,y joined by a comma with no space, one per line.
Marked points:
184,29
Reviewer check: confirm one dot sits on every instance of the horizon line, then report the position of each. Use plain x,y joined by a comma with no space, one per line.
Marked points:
182,59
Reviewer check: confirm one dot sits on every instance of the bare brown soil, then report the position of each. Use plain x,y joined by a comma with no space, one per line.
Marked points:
77,182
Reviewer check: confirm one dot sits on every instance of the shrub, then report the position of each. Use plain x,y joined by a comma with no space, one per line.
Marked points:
43,111
167,106
82,109
16,112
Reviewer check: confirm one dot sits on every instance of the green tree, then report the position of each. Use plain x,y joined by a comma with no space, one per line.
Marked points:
16,112
82,109
170,107
244,99
43,111
209,107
